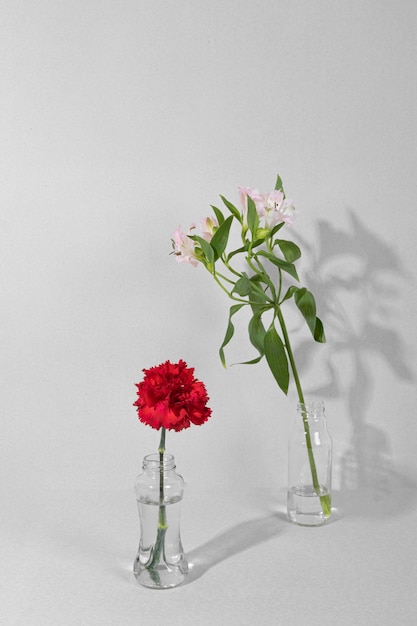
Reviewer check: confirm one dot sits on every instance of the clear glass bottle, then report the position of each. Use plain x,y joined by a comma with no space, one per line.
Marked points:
309,467
160,562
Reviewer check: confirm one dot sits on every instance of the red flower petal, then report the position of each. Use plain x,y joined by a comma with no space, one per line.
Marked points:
171,397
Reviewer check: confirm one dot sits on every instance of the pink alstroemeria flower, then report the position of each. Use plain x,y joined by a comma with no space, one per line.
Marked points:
274,208
244,192
184,247
209,225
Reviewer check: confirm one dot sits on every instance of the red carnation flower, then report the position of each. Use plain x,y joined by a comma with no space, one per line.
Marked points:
170,397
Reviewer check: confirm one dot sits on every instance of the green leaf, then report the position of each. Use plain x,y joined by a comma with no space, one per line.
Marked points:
278,185
258,293
256,335
233,210
277,358
206,248
242,286
288,267
219,215
255,243
229,331
290,292
257,331
319,331
304,299
248,247
251,362
283,265
306,303
221,236
276,228
238,251
289,249
253,217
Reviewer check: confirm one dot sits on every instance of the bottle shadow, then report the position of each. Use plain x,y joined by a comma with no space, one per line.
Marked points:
358,279
233,541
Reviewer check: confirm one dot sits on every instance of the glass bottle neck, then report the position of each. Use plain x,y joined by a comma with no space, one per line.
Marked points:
313,409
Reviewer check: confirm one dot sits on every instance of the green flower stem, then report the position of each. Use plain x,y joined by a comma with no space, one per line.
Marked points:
162,507
325,500
239,275
159,548
270,247
229,294
260,271
226,279
280,285
230,268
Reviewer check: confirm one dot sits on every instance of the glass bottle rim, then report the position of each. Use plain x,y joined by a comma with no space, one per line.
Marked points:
152,461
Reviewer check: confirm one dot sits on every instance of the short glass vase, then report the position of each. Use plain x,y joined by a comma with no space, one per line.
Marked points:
160,561
309,467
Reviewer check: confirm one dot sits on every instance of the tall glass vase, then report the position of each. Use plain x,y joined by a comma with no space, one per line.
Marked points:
309,467
160,562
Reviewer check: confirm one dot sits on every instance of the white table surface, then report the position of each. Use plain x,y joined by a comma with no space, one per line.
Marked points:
67,560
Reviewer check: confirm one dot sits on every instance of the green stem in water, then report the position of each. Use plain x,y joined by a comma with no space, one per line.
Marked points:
325,499
159,549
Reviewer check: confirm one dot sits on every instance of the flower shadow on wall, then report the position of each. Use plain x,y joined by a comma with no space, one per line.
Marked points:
356,277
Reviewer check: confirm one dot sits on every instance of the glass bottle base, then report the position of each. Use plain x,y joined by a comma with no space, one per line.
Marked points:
305,507
161,576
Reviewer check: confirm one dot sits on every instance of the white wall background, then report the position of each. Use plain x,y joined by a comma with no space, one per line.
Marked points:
122,120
